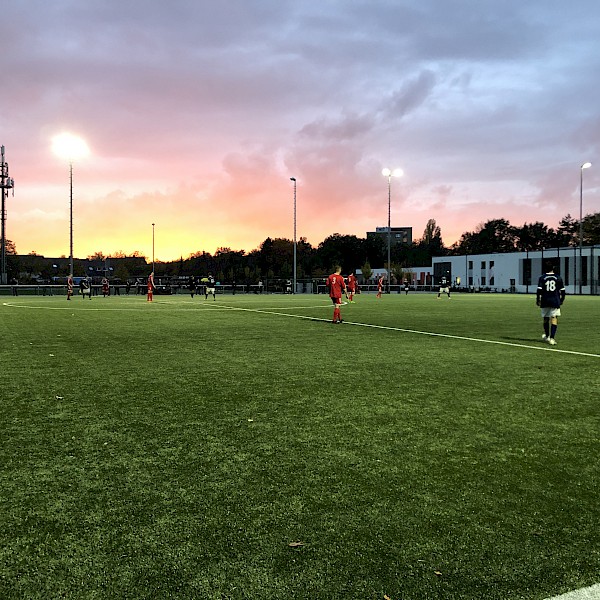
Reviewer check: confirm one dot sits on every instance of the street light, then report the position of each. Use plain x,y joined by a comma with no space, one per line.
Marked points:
585,165
294,180
70,147
153,247
389,174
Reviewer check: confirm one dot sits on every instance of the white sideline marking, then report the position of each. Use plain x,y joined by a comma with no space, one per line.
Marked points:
384,327
588,593
429,333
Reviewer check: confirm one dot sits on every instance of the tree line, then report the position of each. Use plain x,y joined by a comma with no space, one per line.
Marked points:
274,257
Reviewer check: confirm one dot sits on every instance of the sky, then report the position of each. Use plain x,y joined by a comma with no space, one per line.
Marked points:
197,113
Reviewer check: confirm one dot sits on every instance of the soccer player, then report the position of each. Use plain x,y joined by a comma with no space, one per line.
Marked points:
84,288
151,287
69,286
549,296
105,287
352,286
336,284
210,287
192,285
380,286
444,287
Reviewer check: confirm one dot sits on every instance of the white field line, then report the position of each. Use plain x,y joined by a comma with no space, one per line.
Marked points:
173,305
588,593
413,331
214,305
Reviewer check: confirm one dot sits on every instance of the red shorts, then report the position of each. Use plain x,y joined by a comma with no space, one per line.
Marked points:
336,301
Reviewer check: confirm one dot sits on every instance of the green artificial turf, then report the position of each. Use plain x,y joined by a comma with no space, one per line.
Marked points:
249,449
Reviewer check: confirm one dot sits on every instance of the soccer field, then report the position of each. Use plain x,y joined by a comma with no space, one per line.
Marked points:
247,448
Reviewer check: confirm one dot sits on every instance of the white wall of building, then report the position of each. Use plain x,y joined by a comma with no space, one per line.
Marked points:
519,271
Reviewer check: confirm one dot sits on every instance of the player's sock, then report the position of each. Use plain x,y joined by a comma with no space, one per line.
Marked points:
553,331
546,328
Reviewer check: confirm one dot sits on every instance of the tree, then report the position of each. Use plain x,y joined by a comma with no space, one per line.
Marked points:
276,257
568,231
344,250
432,235
591,229
496,235
10,247
375,250
534,236
366,271
429,245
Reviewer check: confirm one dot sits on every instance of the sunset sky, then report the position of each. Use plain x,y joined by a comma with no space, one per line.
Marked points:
198,112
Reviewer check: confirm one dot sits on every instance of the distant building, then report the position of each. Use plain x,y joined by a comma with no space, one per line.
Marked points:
414,276
519,271
399,235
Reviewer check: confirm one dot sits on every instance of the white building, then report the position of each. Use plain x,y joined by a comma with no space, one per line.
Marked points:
519,271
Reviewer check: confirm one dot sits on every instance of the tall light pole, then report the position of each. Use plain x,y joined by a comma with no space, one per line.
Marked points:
70,147
585,165
7,183
294,180
153,247
389,174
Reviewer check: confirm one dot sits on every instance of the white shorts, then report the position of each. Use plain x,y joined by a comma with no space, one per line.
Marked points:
549,312
210,290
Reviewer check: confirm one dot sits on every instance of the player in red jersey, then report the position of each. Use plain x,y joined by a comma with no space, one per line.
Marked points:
380,286
151,286
105,287
336,284
352,286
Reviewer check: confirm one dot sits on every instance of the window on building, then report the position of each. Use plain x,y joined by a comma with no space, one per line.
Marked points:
526,271
470,265
483,281
566,278
483,265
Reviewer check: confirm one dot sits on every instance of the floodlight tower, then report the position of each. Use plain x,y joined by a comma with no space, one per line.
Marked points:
153,247
389,174
585,165
70,147
7,183
295,245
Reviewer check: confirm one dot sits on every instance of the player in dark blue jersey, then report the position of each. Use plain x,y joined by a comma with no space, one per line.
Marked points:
210,287
549,297
444,287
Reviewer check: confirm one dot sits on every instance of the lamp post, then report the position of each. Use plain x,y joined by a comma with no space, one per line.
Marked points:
153,247
7,184
294,180
585,165
70,147
389,174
